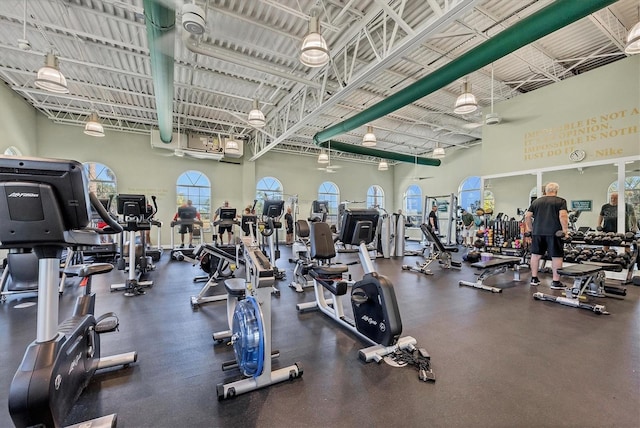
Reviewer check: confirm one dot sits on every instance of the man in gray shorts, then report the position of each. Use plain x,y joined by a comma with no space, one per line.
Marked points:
550,215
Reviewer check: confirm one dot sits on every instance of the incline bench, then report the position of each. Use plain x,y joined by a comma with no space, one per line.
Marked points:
492,267
439,252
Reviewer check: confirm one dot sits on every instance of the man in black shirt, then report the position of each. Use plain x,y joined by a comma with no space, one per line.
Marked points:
288,218
608,217
433,219
186,213
550,215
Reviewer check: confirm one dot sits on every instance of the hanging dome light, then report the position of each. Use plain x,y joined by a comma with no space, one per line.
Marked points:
438,153
231,147
383,165
633,40
314,51
369,139
256,117
466,102
49,76
323,158
93,127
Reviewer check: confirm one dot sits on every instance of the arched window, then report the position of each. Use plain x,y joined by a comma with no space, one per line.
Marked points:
469,195
329,192
13,151
194,186
413,205
102,180
631,194
375,197
267,188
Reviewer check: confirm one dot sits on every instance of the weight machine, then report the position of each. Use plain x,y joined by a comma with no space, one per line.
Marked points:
447,217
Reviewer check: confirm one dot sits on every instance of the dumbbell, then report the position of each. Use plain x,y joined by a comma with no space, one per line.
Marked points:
564,238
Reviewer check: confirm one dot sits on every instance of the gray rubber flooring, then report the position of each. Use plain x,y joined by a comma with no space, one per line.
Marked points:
501,360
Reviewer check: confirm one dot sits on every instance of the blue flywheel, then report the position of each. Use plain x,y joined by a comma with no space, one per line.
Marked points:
248,337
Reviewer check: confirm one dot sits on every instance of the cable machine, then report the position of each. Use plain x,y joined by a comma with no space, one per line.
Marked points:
447,215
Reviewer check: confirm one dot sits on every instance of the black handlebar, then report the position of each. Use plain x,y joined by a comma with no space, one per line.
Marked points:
104,214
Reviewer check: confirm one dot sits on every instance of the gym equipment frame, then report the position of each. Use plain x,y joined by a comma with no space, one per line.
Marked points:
583,276
439,252
251,337
497,265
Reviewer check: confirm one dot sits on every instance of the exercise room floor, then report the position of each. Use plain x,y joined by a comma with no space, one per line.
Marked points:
501,360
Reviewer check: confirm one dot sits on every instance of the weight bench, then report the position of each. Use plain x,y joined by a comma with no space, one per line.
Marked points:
492,267
439,252
583,276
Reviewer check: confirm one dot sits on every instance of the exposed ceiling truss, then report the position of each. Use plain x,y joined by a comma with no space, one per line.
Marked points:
250,51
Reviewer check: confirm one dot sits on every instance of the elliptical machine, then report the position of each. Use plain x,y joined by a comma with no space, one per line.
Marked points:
44,205
375,309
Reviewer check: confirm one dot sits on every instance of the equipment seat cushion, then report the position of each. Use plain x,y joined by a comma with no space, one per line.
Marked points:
579,270
495,262
235,287
330,271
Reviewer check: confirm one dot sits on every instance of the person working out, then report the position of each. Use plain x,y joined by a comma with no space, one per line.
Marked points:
186,213
608,218
288,218
433,219
468,226
546,216
223,228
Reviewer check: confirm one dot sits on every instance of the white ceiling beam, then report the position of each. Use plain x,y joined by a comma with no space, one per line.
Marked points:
368,73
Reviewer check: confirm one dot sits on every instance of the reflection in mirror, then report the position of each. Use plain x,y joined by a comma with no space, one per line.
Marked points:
585,189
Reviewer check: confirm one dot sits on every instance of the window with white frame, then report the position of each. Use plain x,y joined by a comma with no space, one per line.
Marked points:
329,192
194,186
413,205
375,197
102,180
267,188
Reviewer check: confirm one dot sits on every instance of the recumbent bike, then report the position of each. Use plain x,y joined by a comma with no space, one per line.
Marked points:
373,301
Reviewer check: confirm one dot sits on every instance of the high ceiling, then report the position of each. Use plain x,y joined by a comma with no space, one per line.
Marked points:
250,51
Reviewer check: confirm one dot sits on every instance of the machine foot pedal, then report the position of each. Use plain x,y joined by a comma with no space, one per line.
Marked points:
107,323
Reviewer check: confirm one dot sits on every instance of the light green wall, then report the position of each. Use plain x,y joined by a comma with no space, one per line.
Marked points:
141,169
598,112
299,175
17,120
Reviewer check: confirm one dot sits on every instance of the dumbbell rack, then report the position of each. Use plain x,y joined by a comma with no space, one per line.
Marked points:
621,278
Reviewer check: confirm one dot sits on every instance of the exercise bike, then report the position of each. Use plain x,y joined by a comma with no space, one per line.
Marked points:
376,315
44,205
251,327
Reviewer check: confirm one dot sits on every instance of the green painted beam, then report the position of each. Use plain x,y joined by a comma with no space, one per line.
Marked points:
160,22
541,23
400,157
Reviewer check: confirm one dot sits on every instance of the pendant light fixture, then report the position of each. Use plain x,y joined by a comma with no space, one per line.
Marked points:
633,41
231,147
369,139
323,158
49,76
93,127
314,51
466,102
438,153
383,165
256,117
